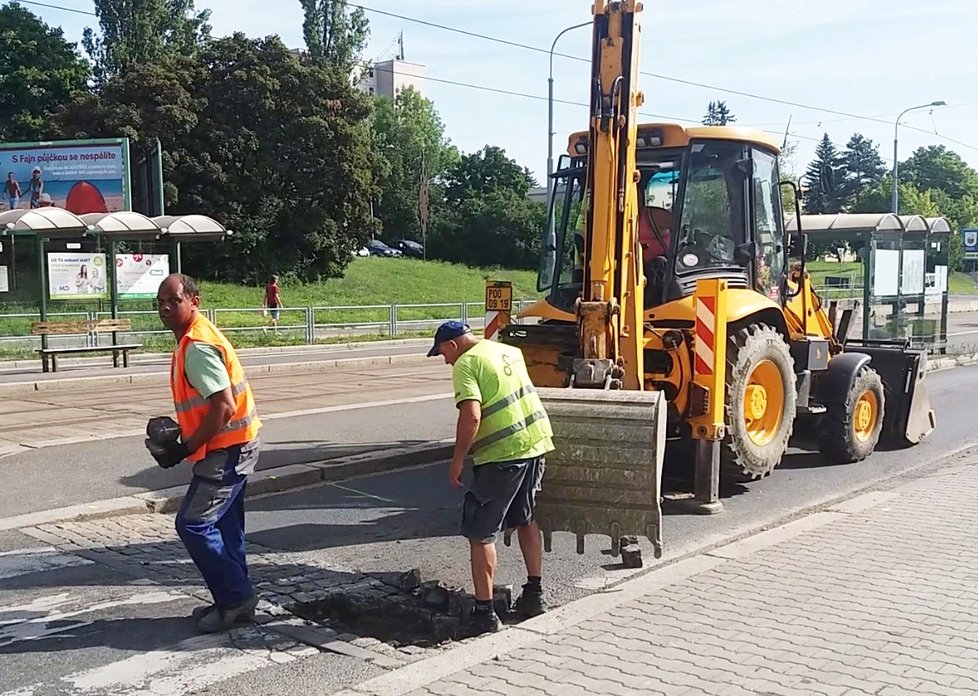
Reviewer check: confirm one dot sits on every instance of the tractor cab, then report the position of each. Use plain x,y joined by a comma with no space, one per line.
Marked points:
709,207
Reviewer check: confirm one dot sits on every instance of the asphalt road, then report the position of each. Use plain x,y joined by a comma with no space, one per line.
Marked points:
68,626
409,519
86,472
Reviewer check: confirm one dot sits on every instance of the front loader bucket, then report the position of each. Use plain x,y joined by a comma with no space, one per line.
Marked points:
908,417
605,476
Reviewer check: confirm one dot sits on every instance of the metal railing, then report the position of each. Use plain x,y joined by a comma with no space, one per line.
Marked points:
308,324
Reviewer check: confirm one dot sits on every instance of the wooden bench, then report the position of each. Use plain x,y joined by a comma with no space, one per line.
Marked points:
49,356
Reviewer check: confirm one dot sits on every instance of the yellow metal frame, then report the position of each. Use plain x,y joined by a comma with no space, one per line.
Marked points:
610,310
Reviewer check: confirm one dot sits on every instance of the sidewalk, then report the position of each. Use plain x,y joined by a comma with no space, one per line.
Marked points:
876,595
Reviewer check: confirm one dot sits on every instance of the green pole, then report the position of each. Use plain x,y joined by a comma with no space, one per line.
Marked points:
179,258
113,287
42,265
868,261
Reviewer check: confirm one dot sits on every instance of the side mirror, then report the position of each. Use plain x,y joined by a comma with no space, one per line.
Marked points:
746,253
798,245
744,167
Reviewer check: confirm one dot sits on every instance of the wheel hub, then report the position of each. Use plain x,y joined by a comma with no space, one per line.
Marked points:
864,416
756,398
763,403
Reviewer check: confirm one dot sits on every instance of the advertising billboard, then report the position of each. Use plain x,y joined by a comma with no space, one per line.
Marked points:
138,276
84,176
76,276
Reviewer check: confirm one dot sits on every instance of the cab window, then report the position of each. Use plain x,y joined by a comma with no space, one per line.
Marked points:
713,209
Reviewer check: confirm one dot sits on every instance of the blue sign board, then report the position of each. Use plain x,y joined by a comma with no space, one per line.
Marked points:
969,240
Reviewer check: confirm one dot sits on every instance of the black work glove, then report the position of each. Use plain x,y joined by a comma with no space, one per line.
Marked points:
163,442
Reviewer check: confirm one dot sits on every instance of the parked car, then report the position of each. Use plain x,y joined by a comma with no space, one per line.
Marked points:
378,248
409,248
362,251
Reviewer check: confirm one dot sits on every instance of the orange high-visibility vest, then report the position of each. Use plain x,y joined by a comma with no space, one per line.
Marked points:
191,406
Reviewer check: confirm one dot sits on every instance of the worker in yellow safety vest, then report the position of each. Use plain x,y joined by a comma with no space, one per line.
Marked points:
502,422
216,430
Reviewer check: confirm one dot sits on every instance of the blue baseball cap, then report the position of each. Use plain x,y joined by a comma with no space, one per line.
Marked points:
446,332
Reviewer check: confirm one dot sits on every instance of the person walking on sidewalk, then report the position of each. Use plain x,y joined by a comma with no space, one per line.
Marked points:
219,434
502,420
272,301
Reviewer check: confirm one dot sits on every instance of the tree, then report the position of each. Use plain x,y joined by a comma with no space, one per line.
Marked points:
410,137
877,199
821,179
142,31
275,148
862,167
936,167
486,217
39,71
718,114
333,34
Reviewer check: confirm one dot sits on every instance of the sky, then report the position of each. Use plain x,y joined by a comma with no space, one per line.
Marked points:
849,66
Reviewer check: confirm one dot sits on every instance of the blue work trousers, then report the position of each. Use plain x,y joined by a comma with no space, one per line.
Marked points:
211,523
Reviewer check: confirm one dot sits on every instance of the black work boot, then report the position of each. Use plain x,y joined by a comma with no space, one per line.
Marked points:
199,612
483,622
530,602
223,618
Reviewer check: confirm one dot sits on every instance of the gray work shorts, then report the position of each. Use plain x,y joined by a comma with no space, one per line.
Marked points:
502,496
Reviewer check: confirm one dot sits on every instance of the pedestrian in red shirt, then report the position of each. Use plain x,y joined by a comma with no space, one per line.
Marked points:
273,301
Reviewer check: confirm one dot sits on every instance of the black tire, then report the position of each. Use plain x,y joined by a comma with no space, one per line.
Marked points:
839,439
741,458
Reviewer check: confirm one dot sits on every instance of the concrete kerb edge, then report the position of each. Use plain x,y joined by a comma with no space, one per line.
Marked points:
287,478
267,482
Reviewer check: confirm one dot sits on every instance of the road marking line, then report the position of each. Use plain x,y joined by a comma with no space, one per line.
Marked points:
27,561
365,495
182,668
53,623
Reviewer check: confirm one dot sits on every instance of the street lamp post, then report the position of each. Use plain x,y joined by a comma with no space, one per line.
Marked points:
896,158
550,109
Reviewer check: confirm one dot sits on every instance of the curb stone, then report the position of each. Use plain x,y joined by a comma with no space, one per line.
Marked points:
168,500
286,478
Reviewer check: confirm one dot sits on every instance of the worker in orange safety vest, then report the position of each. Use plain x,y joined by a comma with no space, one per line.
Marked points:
218,434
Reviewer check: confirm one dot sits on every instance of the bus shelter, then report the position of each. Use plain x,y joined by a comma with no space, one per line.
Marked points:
904,262
43,225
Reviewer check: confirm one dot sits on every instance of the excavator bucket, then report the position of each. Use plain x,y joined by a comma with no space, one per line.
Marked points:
605,476
908,417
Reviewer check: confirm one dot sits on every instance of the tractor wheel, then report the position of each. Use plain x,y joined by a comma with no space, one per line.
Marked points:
851,430
760,402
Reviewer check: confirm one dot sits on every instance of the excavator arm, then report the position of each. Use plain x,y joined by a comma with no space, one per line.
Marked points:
609,432
610,309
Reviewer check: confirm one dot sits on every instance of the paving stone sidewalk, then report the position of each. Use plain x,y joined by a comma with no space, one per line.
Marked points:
147,547
878,596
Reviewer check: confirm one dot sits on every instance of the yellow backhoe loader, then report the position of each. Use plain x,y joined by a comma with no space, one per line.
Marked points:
678,310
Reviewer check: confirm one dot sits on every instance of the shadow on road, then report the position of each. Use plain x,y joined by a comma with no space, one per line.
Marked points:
274,455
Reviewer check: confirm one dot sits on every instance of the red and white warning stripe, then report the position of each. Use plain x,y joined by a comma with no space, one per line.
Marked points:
492,325
705,342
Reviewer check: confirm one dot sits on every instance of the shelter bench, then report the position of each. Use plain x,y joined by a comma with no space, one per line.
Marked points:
49,356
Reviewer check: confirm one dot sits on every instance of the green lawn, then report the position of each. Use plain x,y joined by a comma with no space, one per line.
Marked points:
368,281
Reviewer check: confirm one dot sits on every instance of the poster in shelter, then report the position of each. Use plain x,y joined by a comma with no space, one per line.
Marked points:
912,277
138,276
76,276
886,272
